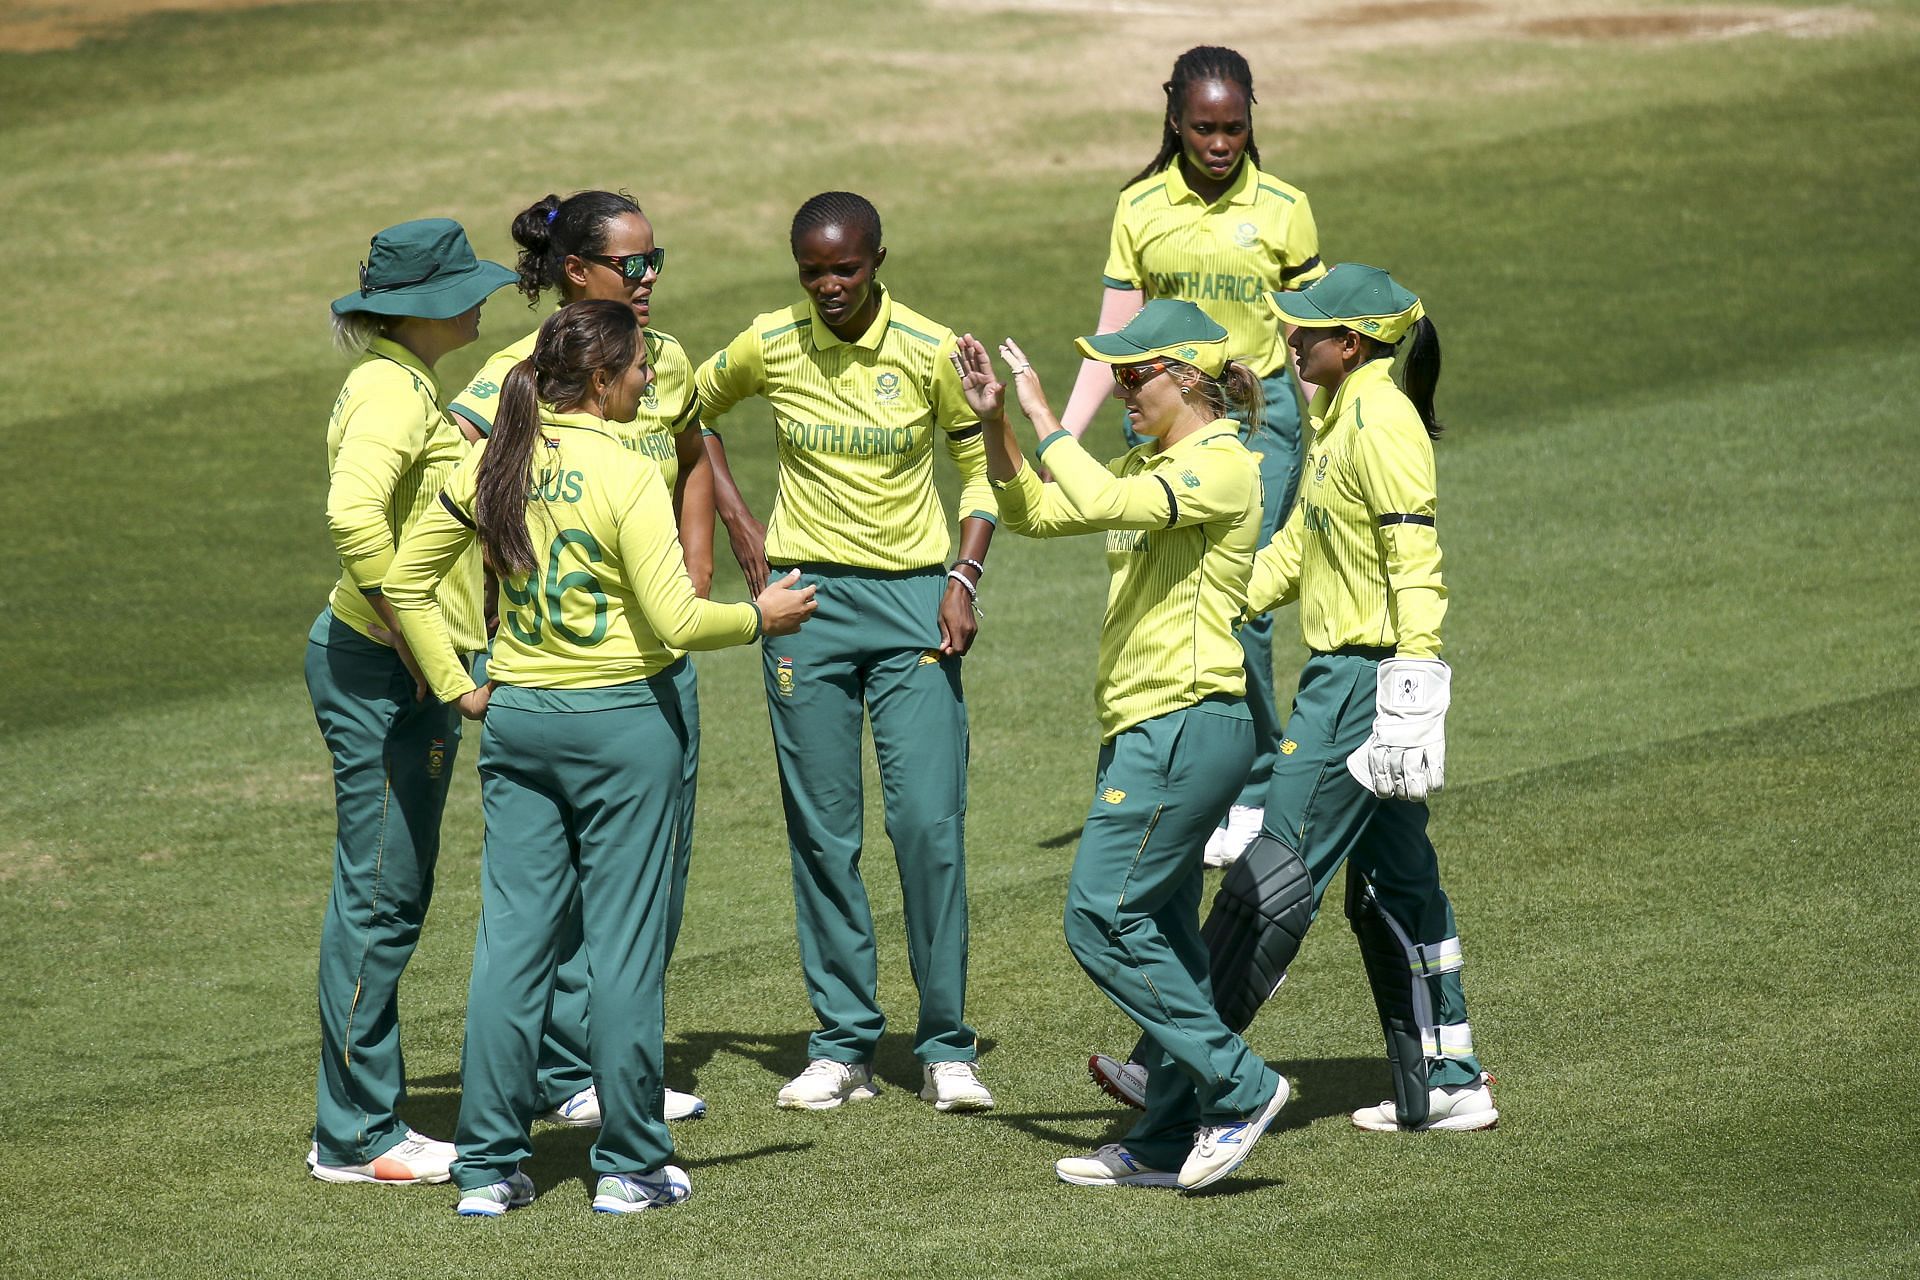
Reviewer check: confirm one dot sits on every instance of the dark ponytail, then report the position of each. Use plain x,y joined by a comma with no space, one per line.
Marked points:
551,229
1197,66
1420,371
575,342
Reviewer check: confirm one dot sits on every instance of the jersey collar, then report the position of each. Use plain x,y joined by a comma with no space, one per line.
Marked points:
552,418
1330,409
825,339
1245,185
1194,439
388,349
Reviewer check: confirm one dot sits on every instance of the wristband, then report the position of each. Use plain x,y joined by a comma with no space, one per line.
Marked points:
974,564
759,621
973,594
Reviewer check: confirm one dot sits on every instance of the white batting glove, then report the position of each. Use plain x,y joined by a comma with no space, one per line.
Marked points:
1405,757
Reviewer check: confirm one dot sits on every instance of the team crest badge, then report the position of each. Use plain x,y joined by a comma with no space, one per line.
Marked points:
783,677
481,389
1320,467
886,388
436,757
1186,353
1246,235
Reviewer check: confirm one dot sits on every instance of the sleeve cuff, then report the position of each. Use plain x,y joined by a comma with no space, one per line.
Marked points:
1042,449
988,516
1112,283
480,424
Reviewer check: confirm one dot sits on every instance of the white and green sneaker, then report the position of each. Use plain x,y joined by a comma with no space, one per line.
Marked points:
1460,1109
635,1192
515,1191
826,1084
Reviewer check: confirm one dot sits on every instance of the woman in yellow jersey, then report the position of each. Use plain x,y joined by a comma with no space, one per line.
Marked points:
1181,514
580,759
1204,222
1365,740
598,244
861,389
389,447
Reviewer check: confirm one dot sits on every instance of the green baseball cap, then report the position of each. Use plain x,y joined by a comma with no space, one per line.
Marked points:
1168,328
1352,296
422,268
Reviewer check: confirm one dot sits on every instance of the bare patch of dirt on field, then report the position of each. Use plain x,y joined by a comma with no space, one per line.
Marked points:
52,25
1698,24
28,860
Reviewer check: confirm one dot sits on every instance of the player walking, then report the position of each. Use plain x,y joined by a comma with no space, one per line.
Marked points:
389,448
581,757
862,388
1181,513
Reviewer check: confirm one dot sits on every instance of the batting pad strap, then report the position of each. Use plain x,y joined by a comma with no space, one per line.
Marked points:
1452,1041
1431,959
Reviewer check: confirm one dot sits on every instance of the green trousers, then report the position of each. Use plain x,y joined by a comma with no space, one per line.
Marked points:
874,644
1132,916
581,790
564,1070
392,761
1315,806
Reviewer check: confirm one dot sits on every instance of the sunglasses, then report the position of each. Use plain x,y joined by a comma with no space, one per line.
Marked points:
1132,377
632,266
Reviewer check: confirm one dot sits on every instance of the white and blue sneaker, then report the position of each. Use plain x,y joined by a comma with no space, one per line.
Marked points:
515,1191
634,1192
1112,1166
1218,1149
582,1110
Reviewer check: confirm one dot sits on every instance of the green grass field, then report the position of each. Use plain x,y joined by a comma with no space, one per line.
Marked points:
1672,252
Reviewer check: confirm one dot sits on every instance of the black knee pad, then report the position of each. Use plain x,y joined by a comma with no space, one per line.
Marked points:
1395,995
1254,931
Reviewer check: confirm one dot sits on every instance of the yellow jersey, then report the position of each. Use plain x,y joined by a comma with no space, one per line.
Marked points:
608,602
856,424
389,449
1361,549
1182,526
1224,257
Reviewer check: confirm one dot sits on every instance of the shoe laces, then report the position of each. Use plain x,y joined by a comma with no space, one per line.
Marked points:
1213,1135
959,1071
826,1068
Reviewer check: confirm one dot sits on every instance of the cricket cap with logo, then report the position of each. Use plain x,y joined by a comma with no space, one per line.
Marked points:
1164,329
1352,296
422,268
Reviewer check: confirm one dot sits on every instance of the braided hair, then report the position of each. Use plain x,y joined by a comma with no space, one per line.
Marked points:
837,209
551,229
1199,65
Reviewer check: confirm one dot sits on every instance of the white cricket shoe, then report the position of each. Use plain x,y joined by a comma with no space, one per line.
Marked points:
416,1160
1218,1149
1227,843
1112,1166
582,1110
1122,1081
826,1084
954,1086
515,1191
1458,1109
634,1192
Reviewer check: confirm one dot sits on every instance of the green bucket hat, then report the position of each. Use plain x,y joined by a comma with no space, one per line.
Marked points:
1166,328
422,268
1352,296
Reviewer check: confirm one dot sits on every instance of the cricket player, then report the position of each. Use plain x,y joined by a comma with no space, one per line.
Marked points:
581,756
1203,222
1181,515
863,392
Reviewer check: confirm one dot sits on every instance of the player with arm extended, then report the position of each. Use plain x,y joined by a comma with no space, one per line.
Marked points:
580,757
598,244
1204,222
1365,742
389,448
1181,515
864,393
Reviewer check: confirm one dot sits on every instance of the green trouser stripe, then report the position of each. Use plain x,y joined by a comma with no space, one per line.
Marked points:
873,647
582,792
1132,916
564,1070
1315,805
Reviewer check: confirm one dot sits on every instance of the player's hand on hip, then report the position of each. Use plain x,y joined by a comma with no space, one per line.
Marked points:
959,622
1405,757
473,703
783,607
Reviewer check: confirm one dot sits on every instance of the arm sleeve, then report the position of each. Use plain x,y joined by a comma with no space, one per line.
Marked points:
1039,510
1395,465
1276,567
729,376
1123,264
383,436
1202,489
481,399
961,432
1300,263
657,575
425,556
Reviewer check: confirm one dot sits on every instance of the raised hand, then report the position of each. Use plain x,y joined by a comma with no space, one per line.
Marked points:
986,396
1026,385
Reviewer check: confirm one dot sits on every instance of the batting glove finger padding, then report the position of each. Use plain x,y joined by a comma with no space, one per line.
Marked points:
1405,757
